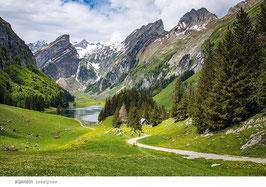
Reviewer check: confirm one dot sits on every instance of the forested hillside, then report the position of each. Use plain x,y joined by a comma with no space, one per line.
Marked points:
21,83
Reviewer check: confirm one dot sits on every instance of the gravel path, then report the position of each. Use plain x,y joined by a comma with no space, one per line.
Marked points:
192,154
85,126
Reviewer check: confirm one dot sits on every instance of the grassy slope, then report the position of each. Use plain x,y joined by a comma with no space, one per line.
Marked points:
183,135
83,100
85,152
165,97
27,82
29,124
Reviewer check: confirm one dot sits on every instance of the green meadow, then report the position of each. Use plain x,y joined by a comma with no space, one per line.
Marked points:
67,149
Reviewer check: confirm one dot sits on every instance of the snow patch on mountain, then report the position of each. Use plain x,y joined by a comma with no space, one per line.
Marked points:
37,45
84,48
95,66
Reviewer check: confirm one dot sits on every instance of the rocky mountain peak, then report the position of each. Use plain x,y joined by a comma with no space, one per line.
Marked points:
83,44
195,20
59,59
63,38
152,30
243,4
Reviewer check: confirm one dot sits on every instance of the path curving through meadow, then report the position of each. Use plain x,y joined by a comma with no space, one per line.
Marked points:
84,126
192,154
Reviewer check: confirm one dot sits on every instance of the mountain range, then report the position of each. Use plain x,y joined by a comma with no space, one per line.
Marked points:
148,55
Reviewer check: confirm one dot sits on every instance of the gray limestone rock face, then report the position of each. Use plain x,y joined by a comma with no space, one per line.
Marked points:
14,48
59,59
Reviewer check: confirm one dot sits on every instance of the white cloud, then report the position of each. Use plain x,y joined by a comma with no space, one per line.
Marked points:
47,19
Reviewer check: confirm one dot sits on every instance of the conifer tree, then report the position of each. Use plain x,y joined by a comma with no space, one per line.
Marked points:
116,120
8,99
179,106
101,117
204,86
248,61
261,40
134,119
155,117
27,102
232,97
145,112
58,109
40,103
178,94
2,95
223,106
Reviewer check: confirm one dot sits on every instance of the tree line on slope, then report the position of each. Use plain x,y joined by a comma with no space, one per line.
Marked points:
27,87
137,105
231,84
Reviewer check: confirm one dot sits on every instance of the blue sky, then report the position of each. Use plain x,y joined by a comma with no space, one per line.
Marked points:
91,3
97,20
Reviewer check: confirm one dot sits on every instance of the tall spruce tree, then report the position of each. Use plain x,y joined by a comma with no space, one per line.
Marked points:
134,119
116,120
248,61
179,105
178,95
204,86
155,118
261,40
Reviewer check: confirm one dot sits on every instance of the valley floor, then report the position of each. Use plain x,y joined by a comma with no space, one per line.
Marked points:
58,146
